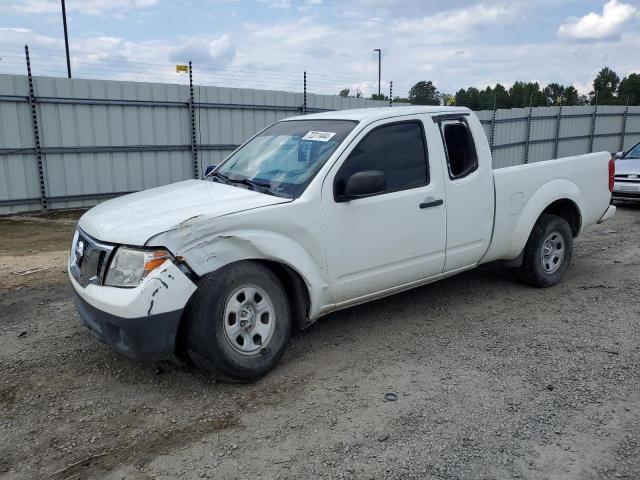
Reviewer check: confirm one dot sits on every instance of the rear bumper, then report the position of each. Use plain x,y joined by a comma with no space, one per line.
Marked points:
148,338
609,212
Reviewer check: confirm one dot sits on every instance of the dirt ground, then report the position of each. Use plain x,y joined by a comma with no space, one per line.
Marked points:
492,379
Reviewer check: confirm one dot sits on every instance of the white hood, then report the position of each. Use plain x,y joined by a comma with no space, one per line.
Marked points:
133,219
628,166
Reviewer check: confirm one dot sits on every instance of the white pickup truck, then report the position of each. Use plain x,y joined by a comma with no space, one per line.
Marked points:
315,214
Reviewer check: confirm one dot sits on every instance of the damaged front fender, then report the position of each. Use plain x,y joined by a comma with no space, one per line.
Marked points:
206,250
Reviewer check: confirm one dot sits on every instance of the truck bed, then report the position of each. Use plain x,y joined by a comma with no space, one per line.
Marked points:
522,192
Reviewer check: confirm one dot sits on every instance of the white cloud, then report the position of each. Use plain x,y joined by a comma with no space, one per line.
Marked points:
461,22
456,44
583,88
607,26
278,3
35,6
204,50
85,7
301,31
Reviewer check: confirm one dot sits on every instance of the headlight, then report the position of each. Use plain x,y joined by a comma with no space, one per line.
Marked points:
129,266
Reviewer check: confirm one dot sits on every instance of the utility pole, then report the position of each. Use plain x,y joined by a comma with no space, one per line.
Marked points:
66,37
379,68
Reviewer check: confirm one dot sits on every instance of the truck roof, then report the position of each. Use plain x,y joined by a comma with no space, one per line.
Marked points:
379,113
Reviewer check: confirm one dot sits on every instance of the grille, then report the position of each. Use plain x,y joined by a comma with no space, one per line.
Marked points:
89,258
631,177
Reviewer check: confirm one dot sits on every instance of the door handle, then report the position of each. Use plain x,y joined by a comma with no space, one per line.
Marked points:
432,203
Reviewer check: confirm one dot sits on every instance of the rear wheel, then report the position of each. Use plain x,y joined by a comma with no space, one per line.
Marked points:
548,252
238,322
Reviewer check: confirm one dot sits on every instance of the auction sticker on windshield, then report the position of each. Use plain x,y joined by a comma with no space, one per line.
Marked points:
318,136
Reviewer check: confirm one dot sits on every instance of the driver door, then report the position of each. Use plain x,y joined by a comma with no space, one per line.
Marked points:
393,237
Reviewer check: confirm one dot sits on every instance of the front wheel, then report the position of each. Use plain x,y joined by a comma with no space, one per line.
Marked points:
238,323
548,252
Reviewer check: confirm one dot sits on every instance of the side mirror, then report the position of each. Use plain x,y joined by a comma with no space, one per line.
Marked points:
618,154
363,184
208,170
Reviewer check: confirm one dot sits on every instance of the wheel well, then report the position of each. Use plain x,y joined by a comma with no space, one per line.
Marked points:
569,211
294,285
297,290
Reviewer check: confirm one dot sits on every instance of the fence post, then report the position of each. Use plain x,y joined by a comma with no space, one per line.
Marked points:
304,96
557,139
624,125
593,124
391,93
526,148
192,111
36,133
493,126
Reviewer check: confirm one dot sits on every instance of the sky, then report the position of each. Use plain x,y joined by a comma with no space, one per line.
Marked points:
269,43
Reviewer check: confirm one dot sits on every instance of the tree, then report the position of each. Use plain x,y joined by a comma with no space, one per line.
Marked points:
570,96
485,99
518,95
629,90
469,98
424,93
605,86
501,96
382,96
446,99
527,94
344,93
461,98
554,93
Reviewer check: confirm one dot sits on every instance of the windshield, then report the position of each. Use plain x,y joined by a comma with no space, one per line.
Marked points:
634,152
283,159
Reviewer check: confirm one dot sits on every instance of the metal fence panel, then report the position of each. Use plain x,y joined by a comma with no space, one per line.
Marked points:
633,125
509,137
102,138
18,171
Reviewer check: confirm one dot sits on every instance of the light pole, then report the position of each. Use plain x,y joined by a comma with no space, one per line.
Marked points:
379,67
66,37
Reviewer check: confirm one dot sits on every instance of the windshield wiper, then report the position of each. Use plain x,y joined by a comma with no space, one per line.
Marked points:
256,183
219,175
253,183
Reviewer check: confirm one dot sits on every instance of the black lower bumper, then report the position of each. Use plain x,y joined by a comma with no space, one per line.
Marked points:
631,196
150,338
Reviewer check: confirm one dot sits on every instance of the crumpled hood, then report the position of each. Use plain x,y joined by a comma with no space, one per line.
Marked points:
135,218
626,167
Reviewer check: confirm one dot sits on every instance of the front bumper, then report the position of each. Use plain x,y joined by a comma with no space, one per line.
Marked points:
140,322
629,190
629,196
148,338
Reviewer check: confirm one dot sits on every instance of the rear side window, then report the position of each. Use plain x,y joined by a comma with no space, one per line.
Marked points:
398,150
460,149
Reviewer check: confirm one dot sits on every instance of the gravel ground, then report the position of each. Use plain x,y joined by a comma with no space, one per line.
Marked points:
490,380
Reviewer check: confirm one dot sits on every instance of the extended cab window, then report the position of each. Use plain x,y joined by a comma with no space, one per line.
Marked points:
459,148
397,150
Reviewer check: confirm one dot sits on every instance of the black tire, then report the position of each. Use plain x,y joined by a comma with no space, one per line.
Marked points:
534,271
207,344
